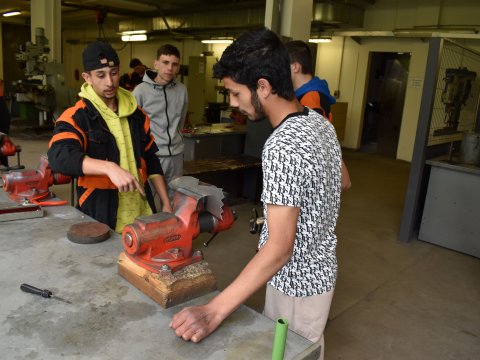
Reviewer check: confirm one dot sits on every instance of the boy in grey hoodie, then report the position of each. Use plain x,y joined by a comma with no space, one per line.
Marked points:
165,100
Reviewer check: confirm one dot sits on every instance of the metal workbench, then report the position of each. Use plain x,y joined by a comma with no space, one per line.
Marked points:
108,317
214,141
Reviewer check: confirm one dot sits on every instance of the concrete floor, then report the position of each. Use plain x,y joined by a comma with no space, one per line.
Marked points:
393,300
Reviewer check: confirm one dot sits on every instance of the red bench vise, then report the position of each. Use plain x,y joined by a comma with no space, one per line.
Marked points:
162,242
8,148
32,185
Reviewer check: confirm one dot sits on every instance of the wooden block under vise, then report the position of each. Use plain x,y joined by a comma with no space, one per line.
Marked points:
169,289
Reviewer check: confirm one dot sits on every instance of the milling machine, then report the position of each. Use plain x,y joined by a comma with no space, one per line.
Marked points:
7,149
44,83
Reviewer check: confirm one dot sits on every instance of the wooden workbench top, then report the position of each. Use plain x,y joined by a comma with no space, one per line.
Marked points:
221,163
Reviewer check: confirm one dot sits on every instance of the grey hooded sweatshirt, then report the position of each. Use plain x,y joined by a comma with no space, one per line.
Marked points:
166,106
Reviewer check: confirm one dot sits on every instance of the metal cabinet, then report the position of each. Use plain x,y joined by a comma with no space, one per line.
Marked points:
451,213
203,146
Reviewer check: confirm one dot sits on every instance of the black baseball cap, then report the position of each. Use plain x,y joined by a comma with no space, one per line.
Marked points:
99,54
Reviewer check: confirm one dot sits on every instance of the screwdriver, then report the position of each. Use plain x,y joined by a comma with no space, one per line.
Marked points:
43,293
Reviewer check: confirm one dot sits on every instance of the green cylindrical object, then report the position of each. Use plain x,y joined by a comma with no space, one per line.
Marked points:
279,340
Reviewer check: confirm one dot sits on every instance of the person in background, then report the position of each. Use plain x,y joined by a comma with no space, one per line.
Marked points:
131,80
165,100
301,162
105,142
6,146
312,91
5,119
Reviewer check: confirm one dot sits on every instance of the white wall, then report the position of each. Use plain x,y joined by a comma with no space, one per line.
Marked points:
344,64
407,14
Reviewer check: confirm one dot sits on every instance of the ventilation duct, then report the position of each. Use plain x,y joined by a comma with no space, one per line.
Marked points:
337,15
219,21
325,17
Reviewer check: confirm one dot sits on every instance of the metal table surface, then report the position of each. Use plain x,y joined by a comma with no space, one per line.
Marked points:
108,318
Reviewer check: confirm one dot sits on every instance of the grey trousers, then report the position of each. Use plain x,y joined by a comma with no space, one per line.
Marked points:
307,316
172,167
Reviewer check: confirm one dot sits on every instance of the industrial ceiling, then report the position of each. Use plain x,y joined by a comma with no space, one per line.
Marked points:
188,17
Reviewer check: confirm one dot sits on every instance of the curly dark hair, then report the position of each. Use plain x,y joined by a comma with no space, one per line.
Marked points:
256,54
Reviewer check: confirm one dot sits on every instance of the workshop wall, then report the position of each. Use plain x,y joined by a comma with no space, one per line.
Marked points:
344,62
12,36
351,80
146,52
74,43
421,15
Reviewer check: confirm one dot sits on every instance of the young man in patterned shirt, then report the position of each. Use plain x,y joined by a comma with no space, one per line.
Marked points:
302,183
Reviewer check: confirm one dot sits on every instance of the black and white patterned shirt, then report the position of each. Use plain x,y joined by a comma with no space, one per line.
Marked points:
302,168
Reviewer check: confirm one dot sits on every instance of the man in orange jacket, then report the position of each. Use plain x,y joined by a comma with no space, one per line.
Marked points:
105,142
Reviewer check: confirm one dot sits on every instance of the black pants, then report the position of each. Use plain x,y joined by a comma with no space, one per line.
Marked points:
4,116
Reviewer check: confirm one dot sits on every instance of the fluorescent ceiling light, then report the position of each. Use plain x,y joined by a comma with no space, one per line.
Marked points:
320,40
137,37
11,13
217,41
133,32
